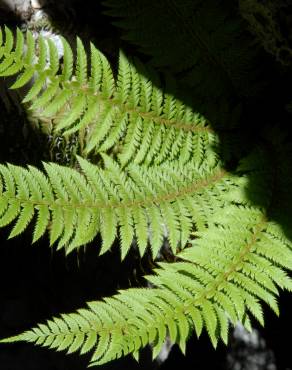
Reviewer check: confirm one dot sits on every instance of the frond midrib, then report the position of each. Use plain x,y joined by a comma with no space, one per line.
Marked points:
184,308
168,197
123,108
73,85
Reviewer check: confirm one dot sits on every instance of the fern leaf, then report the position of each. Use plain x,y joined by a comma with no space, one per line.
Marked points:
23,78
90,114
56,104
141,228
43,217
46,96
30,49
24,219
42,55
131,112
67,68
81,64
8,44
169,184
79,104
16,63
108,229
36,88
96,73
209,58
145,204
184,299
124,79
53,58
126,230
10,214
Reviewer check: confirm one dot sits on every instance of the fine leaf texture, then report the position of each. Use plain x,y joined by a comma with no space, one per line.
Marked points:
222,278
158,178
211,53
130,115
138,202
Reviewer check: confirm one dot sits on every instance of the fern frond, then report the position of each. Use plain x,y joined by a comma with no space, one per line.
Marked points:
230,254
131,113
147,204
212,52
219,280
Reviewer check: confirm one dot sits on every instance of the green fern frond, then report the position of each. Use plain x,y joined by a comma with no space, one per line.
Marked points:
146,204
222,278
145,124
231,255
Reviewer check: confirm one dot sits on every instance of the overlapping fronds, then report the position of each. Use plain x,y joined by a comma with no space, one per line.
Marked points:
141,203
143,123
224,277
232,256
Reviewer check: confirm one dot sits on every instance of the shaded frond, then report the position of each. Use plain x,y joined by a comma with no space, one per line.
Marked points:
212,51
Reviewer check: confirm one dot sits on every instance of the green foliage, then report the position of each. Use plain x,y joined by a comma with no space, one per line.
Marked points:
131,117
211,52
159,175
220,279
142,203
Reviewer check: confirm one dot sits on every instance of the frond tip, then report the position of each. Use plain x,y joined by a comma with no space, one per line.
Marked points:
214,284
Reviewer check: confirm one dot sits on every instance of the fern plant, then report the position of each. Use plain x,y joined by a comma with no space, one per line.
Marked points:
158,174
211,52
133,115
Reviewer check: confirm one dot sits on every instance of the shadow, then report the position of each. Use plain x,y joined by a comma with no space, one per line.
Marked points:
222,73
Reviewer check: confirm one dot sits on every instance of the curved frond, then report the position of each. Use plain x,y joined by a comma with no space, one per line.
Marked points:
224,277
162,181
145,204
144,123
